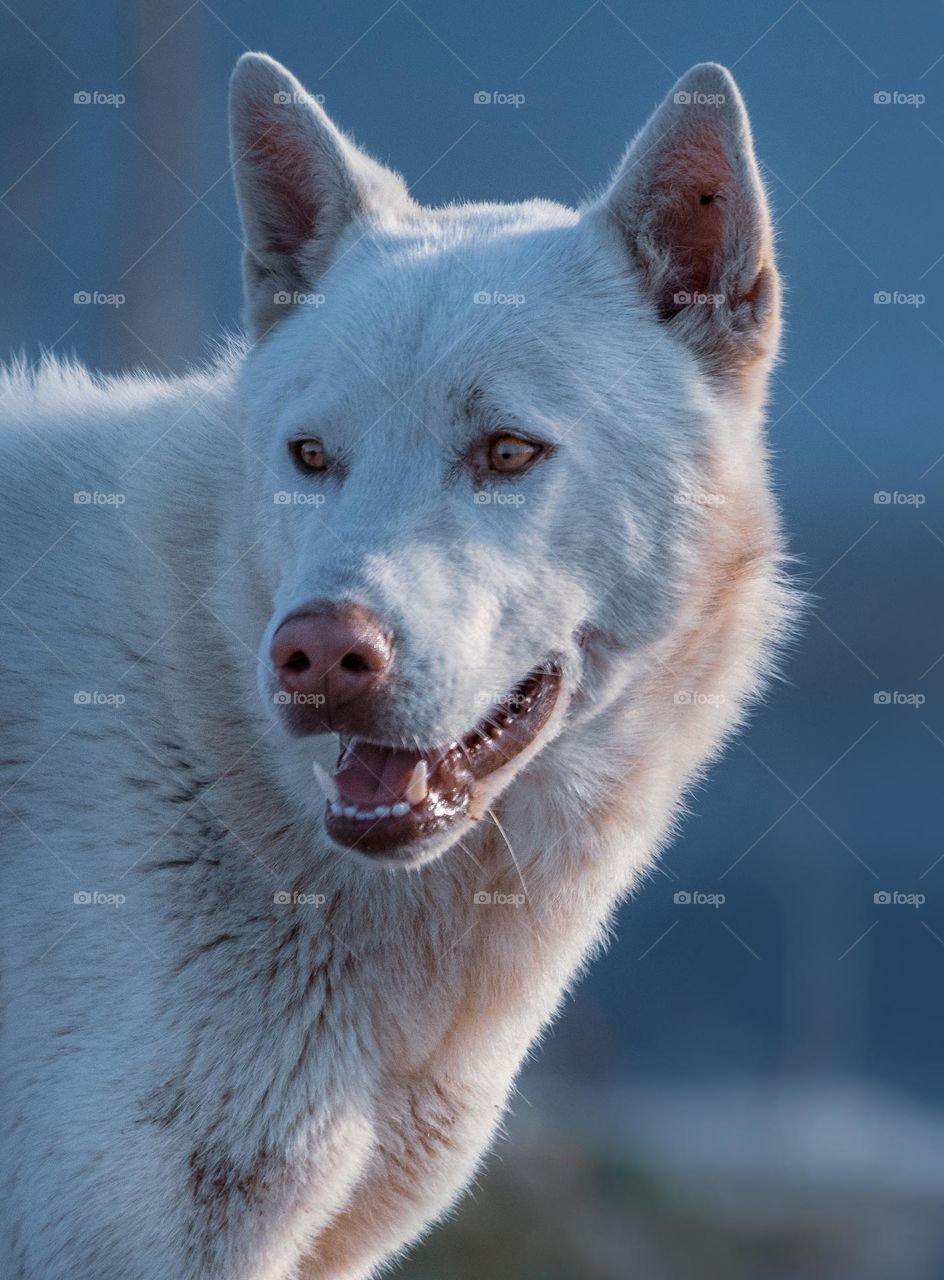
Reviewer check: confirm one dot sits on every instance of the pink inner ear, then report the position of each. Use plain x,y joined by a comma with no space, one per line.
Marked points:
284,162
690,198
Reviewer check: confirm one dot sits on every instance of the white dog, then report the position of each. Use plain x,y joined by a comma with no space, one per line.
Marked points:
350,684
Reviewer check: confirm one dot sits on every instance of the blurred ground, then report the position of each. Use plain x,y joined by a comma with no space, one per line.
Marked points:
832,1182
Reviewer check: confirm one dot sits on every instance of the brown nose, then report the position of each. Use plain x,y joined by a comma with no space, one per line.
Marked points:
331,661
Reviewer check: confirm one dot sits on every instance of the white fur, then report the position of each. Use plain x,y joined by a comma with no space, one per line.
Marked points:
204,1081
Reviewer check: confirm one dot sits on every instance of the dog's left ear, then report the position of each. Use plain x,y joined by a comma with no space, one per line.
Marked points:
689,204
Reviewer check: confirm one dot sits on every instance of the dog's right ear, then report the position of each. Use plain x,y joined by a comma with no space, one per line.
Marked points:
299,183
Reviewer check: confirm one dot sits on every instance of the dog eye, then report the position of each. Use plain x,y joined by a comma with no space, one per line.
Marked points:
511,453
309,455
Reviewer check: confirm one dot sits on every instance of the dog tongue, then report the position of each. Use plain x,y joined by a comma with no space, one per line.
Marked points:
370,775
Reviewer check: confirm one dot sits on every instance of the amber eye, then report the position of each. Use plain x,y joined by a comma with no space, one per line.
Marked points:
309,455
511,453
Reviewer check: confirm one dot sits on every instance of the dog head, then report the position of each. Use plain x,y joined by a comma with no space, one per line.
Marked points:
472,433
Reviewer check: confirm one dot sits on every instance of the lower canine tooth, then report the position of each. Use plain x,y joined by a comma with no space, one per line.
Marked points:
478,806
350,810
399,809
417,787
336,808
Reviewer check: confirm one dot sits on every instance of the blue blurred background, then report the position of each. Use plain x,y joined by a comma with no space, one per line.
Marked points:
752,1089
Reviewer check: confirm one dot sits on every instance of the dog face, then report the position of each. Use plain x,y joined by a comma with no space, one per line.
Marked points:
471,433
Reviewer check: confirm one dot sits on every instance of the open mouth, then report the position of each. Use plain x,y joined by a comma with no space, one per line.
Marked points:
384,797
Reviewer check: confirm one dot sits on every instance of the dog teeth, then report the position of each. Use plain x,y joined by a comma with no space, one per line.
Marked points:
416,792
366,815
325,782
418,785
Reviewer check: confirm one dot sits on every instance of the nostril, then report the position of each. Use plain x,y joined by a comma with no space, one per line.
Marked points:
354,662
298,661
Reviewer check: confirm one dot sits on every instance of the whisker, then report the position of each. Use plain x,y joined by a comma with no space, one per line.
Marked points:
504,836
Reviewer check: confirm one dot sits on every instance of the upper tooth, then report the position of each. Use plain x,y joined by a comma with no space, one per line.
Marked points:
417,786
325,781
